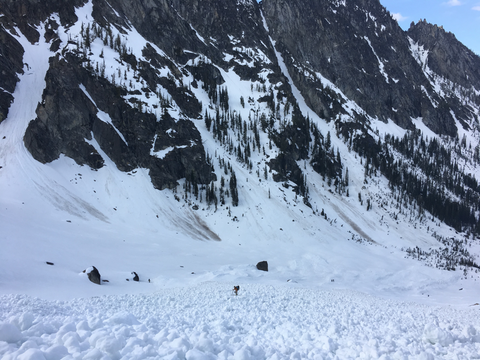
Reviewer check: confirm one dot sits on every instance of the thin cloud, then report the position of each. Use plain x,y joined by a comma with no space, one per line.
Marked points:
399,17
453,3
476,8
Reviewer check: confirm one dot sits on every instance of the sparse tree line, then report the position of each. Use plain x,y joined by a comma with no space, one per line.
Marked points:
295,137
213,194
428,173
453,255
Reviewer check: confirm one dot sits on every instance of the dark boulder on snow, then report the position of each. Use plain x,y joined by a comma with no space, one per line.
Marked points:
135,276
93,275
262,265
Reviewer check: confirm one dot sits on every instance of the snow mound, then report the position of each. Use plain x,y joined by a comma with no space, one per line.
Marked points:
9,333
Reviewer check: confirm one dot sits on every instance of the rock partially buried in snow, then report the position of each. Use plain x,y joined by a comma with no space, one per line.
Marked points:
93,275
262,265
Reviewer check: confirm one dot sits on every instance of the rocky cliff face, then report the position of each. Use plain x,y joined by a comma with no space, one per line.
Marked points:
361,50
451,65
80,110
11,54
447,57
22,17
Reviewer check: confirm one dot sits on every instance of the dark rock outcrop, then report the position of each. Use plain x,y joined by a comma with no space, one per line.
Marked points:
221,21
79,110
156,20
360,50
180,154
65,118
94,275
11,64
449,59
262,265
26,14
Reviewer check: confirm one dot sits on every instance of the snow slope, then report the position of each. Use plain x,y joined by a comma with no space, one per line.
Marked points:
337,287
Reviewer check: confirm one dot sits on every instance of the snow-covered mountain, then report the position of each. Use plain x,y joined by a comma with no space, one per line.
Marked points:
186,141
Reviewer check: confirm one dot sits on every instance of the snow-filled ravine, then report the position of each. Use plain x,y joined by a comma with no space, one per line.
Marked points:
208,321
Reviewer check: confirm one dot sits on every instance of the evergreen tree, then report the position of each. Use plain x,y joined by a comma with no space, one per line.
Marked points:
233,189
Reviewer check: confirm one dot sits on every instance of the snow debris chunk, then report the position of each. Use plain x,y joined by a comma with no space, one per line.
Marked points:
56,352
109,344
24,321
195,354
9,333
124,318
32,354
243,354
204,344
436,335
94,354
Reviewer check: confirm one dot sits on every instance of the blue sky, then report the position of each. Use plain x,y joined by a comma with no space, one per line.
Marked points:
460,17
